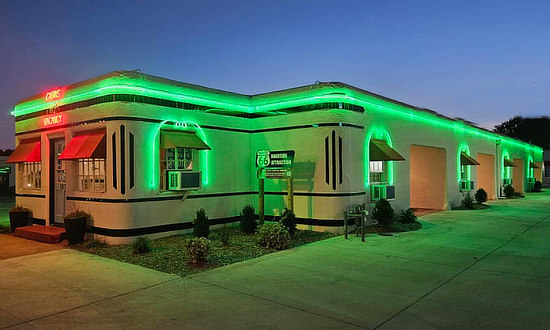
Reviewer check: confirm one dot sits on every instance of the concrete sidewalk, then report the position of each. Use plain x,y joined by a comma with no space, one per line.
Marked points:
466,269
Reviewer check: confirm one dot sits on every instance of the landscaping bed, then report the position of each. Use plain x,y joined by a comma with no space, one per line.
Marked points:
170,254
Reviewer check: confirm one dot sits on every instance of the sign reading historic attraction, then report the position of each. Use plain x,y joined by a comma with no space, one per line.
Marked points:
267,158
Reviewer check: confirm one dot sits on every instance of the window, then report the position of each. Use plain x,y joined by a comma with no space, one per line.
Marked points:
463,173
175,159
376,171
31,175
91,174
547,169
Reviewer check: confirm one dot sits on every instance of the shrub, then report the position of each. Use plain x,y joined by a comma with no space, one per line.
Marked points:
481,196
274,235
141,245
201,227
509,191
288,219
78,213
383,212
197,249
248,219
407,216
224,235
19,208
538,186
468,202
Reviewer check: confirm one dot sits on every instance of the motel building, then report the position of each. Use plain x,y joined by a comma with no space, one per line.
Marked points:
141,154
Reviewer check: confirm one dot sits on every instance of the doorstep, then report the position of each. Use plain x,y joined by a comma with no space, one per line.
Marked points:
46,234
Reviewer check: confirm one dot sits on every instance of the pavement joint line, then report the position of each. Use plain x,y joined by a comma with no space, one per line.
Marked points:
90,303
461,272
277,302
398,257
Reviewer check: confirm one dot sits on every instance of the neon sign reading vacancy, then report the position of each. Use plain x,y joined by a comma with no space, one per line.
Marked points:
53,120
54,94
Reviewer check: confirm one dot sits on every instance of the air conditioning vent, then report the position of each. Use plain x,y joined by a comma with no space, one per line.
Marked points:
466,185
183,180
390,192
378,192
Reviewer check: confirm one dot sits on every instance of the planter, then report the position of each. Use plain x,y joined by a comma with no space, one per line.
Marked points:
19,219
75,229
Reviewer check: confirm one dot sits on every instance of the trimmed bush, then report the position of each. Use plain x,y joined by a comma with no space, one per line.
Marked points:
288,219
538,186
407,216
468,202
197,249
509,191
201,227
248,219
141,245
480,196
224,235
383,212
273,235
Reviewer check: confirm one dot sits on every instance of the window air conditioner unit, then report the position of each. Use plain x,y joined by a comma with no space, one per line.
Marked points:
184,180
466,185
382,192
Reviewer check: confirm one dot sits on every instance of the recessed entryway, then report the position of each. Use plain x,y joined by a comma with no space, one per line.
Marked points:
428,177
486,174
518,183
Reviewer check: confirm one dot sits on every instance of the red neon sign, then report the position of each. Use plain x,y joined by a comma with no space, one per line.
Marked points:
53,120
54,94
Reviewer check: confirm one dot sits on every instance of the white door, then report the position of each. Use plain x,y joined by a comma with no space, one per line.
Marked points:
59,195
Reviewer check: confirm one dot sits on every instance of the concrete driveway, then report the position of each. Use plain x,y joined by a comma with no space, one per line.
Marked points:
465,269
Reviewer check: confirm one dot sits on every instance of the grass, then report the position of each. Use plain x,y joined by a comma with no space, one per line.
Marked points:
169,254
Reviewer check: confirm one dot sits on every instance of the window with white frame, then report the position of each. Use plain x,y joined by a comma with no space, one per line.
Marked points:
91,174
175,159
376,172
31,175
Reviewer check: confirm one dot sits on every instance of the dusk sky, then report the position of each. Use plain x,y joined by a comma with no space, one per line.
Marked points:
485,61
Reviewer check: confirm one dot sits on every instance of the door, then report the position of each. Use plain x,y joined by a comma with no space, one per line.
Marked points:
57,181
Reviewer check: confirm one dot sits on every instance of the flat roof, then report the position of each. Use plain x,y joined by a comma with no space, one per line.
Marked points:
141,84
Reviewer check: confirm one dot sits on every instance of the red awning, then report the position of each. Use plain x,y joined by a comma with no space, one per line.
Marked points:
26,151
91,145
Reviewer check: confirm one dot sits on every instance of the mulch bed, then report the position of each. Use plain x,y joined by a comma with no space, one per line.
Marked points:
169,254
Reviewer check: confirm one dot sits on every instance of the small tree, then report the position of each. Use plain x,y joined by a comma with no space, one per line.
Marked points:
288,219
248,219
383,212
201,226
197,249
509,191
481,196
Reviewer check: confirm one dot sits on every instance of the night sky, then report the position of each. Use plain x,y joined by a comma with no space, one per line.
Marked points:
484,61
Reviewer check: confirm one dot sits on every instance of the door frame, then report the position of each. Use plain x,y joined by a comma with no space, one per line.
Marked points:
52,174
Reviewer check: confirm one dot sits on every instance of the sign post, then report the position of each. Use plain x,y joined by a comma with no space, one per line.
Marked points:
274,165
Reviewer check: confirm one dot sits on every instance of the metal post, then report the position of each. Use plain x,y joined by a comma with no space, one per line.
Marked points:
291,193
345,224
363,223
261,201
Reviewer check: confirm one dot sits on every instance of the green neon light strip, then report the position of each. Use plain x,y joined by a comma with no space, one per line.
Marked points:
184,125
254,104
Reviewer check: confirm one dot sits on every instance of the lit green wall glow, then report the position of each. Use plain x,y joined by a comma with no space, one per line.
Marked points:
184,125
506,172
139,84
382,134
466,149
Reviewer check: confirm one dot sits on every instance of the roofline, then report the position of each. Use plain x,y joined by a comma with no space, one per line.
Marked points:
252,102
